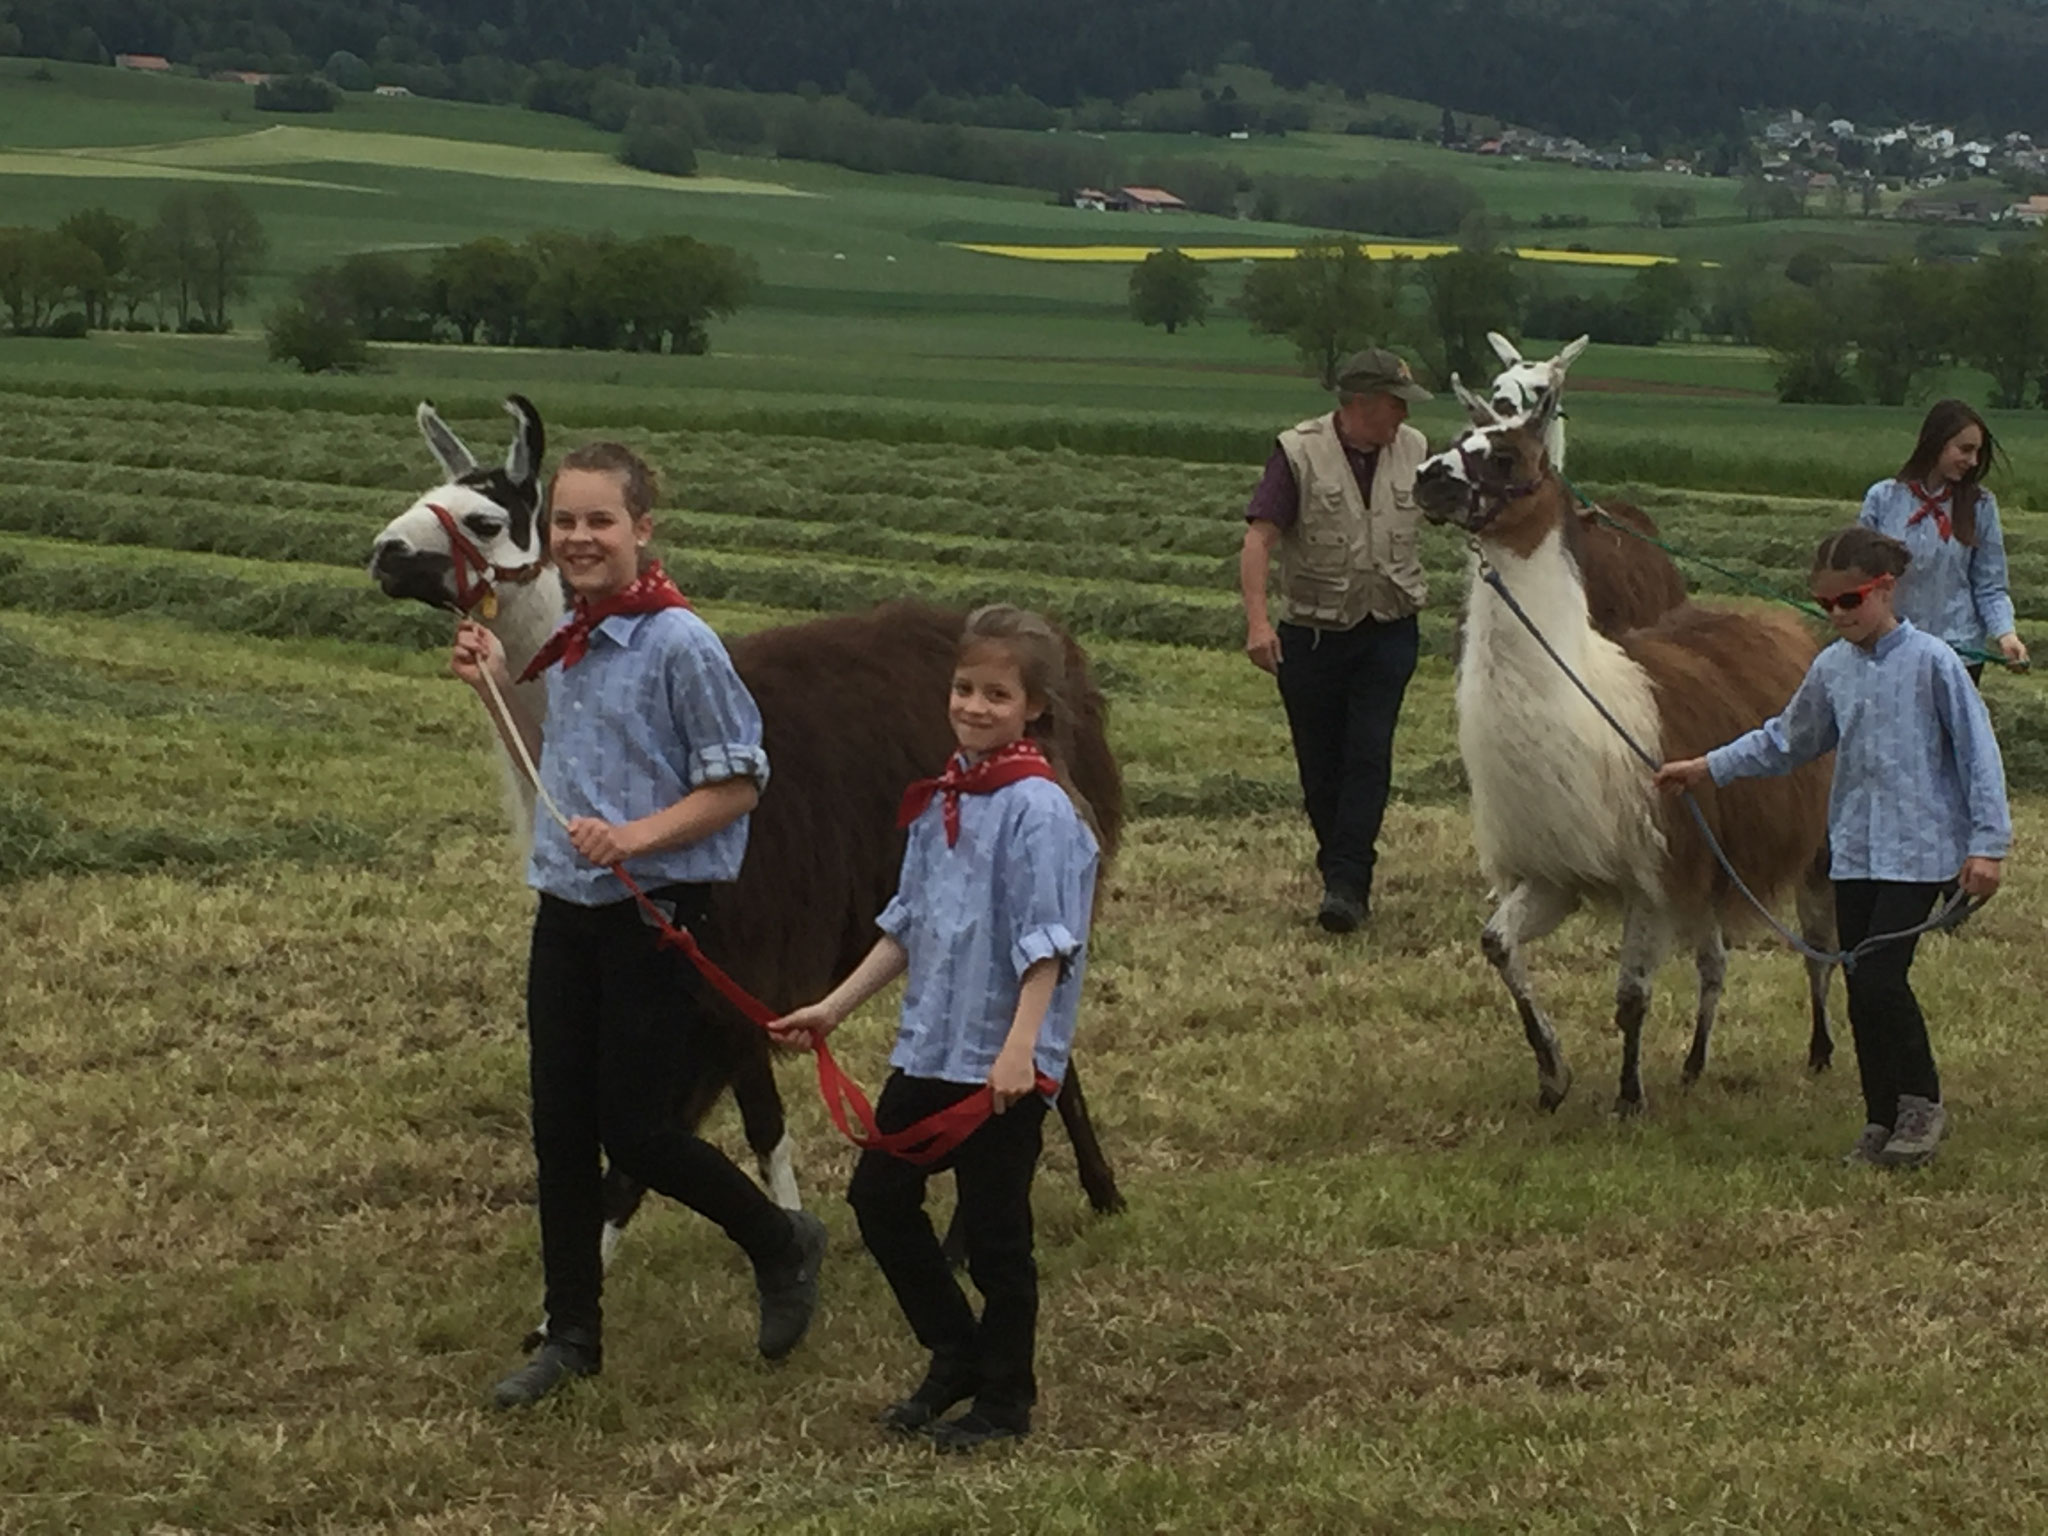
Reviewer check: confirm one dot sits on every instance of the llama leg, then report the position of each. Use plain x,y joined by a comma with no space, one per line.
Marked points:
1711,958
1817,927
1645,940
767,1132
1530,911
1098,1179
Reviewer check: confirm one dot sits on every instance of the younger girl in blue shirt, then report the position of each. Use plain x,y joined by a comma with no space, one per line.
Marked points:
1936,505
990,920
1918,801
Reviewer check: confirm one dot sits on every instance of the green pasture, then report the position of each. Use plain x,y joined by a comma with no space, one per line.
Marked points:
263,1110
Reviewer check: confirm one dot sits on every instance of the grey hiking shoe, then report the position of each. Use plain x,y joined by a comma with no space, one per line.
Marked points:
1917,1135
789,1292
1341,912
558,1359
1869,1142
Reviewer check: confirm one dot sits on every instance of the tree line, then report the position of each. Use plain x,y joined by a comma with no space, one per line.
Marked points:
1838,336
185,268
1330,299
1603,69
556,288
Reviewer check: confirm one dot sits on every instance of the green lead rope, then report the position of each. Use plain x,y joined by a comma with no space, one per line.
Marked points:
1760,588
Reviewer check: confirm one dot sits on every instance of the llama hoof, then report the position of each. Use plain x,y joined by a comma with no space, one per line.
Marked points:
1692,1073
1626,1108
534,1338
1820,1060
1551,1091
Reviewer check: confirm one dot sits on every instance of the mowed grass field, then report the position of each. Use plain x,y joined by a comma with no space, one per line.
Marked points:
268,1223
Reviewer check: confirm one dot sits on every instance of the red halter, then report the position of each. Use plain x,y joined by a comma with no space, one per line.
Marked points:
476,579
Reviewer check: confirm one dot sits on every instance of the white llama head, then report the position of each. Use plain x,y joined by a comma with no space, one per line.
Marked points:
1515,388
496,510
1501,459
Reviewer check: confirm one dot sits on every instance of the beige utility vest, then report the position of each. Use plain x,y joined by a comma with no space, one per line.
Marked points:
1347,559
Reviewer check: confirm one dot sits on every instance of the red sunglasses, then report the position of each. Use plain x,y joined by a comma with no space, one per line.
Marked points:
1852,599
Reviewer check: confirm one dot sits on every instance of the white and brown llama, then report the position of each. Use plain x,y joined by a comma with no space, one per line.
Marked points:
853,709
1562,809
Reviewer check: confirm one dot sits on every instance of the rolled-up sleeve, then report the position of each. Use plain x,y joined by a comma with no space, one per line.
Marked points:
1050,874
719,721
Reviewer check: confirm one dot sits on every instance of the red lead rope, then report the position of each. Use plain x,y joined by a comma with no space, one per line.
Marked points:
925,1141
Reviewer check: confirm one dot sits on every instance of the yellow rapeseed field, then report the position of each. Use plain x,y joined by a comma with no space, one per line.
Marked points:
1376,250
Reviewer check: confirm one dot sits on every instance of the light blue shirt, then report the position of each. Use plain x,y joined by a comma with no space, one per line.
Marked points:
653,710
1019,887
1951,589
1919,785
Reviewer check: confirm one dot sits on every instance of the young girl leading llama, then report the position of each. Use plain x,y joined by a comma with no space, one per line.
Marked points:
653,749
1918,802
990,919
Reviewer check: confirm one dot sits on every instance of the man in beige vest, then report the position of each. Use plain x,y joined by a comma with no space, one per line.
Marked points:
1337,501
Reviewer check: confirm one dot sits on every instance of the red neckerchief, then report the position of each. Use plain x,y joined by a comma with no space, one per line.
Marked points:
1935,507
1021,759
649,592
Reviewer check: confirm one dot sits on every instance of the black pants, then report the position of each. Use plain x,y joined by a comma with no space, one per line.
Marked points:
1892,1052
616,1030
993,1169
1343,691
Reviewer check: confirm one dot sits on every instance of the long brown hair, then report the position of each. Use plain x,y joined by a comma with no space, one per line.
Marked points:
1040,656
1945,418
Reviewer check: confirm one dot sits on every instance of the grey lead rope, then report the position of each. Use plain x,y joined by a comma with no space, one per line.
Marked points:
1950,915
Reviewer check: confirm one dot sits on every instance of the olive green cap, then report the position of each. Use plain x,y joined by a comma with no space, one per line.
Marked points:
1376,371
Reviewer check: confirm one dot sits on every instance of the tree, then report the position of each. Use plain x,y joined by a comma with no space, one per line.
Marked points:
1468,293
1169,289
1808,333
664,148
381,295
1661,293
1906,326
2005,321
39,268
1328,300
484,288
319,337
347,71
295,93
172,252
230,242
113,240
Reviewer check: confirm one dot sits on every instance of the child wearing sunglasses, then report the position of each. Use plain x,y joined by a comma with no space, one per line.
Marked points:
1918,803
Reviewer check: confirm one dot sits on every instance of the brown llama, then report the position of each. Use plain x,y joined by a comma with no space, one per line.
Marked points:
1562,807
853,708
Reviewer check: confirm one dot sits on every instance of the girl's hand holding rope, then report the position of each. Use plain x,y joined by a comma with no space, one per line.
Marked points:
2014,650
476,650
1682,775
604,843
801,1029
1980,877
1013,1076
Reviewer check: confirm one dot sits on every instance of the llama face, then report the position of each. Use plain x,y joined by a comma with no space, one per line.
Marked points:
412,557
1488,475
496,512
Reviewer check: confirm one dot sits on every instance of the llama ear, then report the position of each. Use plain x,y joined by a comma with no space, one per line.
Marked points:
522,459
1508,353
1544,411
1567,355
1481,414
455,460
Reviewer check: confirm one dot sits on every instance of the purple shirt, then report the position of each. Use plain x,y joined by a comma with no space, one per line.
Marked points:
1277,500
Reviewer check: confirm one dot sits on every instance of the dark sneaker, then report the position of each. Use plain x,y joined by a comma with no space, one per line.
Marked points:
1341,912
1869,1142
947,1382
974,1429
1917,1136
556,1361
789,1292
